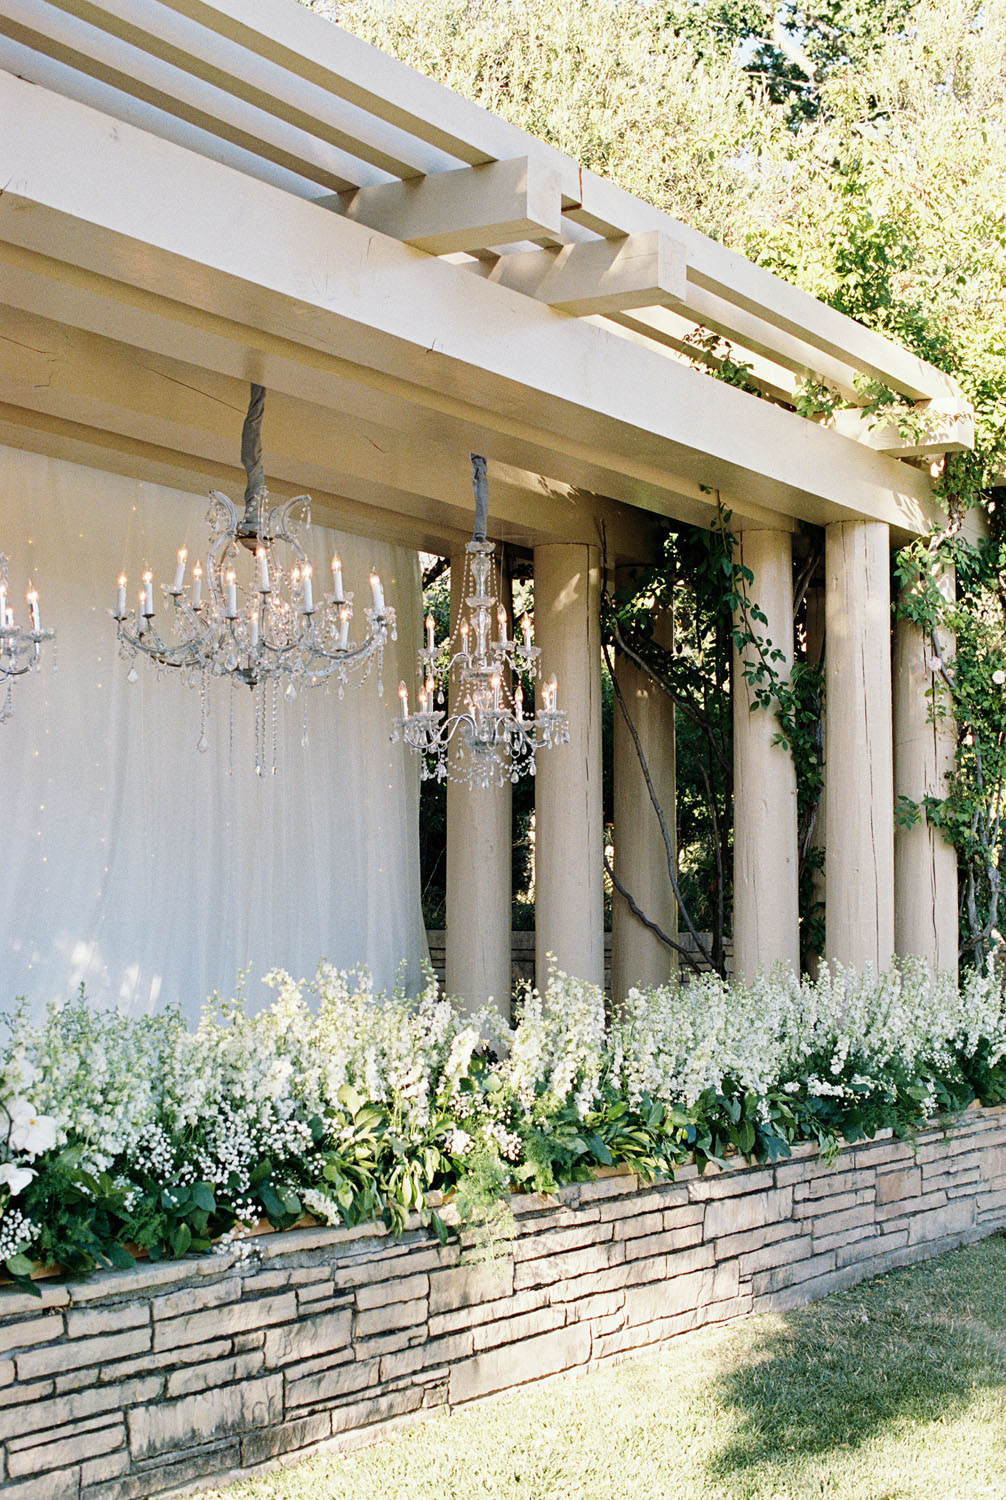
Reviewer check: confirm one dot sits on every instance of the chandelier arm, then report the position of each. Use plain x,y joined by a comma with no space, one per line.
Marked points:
280,523
11,670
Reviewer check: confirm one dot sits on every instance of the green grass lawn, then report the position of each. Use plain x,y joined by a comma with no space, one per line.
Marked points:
894,1390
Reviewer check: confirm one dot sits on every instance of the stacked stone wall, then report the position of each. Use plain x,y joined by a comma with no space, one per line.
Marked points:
145,1383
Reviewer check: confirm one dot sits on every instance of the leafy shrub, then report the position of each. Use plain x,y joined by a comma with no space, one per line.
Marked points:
126,1136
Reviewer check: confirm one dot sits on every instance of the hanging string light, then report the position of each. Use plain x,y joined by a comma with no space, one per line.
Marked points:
496,740
20,650
255,615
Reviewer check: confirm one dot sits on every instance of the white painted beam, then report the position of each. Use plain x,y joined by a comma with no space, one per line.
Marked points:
601,276
712,267
128,77
928,429
675,330
303,54
468,209
150,28
54,374
253,270
292,37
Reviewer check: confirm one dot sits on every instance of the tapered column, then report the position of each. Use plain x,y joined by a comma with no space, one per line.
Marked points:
479,847
569,898
766,898
638,956
859,859
925,865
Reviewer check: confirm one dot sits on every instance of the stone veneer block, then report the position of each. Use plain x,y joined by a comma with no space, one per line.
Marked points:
138,1384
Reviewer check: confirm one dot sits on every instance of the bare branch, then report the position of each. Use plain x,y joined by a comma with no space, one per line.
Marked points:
641,916
668,843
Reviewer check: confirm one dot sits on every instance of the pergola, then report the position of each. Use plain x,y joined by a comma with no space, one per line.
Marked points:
202,193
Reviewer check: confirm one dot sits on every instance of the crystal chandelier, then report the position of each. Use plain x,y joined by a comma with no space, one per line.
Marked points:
254,616
19,649
496,741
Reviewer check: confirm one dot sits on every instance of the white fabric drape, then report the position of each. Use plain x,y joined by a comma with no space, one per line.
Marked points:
155,874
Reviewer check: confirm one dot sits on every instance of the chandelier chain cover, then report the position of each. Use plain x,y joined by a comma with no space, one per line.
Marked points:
494,739
20,650
255,614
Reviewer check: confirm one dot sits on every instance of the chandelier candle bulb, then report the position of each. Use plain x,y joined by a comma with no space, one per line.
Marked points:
262,559
148,593
518,703
337,577
253,629
343,629
308,590
378,593
120,598
197,586
501,622
179,571
9,617
232,595
33,606
403,694
430,634
422,700
525,626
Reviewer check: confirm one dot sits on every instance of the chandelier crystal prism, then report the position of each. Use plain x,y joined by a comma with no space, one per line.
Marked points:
255,615
494,741
20,650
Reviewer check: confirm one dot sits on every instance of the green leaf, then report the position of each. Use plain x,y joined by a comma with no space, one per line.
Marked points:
348,1096
120,1256
181,1239
271,1202
19,1265
202,1197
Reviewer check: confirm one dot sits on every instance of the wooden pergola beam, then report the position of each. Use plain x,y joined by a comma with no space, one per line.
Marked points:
602,276
465,210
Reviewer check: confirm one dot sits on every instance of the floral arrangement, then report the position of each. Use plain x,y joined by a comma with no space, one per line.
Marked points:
143,1136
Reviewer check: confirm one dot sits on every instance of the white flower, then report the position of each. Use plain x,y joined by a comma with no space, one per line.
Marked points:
999,677
15,1178
30,1133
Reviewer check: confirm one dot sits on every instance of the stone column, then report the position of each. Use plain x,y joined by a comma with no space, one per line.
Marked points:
925,865
638,957
479,850
766,902
569,894
859,859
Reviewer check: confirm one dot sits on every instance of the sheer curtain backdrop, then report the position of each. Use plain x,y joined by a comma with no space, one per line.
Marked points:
148,871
